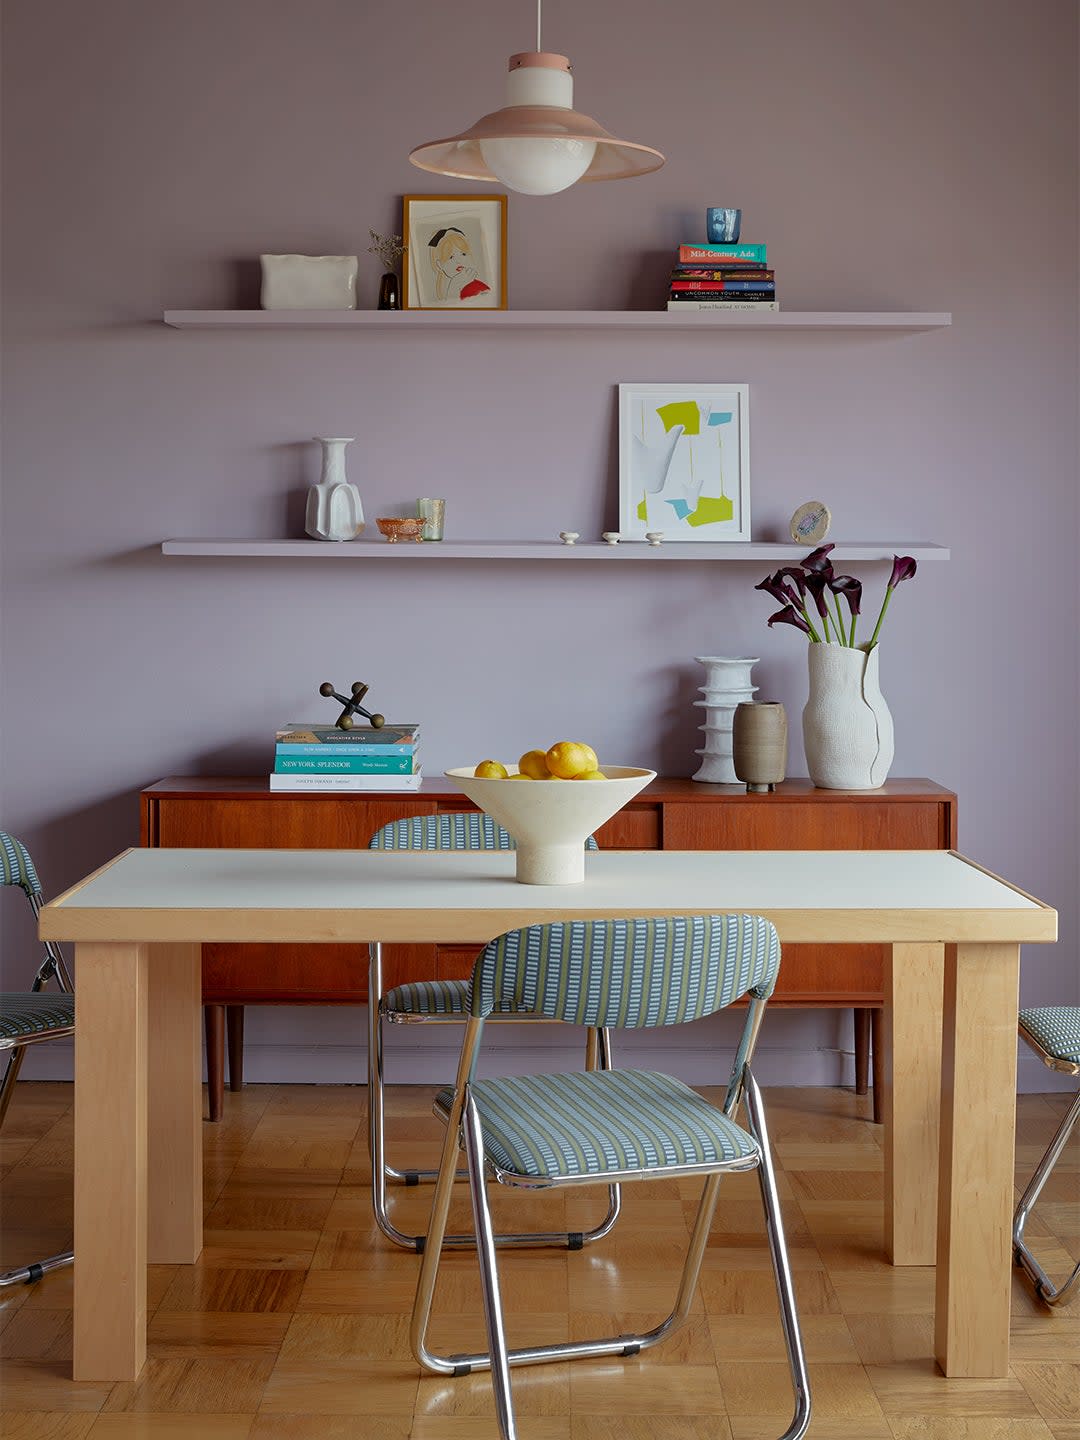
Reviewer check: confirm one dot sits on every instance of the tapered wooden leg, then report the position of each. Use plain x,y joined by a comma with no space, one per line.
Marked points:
861,1019
978,1118
234,1022
175,1145
911,1089
877,1064
214,1017
109,1341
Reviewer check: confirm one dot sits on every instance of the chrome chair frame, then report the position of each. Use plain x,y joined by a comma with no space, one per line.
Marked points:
1045,1288
597,1056
18,870
464,1130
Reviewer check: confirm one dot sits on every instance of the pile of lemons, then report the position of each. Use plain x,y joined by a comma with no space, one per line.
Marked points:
565,760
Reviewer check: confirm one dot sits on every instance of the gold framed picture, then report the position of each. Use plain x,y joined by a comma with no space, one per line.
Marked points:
455,256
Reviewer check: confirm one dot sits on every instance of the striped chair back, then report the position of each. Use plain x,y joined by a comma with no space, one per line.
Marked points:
16,867
454,830
662,970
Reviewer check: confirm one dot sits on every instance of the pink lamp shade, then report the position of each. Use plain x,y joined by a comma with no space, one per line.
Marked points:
561,145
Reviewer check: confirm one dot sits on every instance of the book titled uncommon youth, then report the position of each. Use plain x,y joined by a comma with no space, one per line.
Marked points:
346,782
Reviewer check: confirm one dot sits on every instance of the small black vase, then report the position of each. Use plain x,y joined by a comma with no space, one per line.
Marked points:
389,292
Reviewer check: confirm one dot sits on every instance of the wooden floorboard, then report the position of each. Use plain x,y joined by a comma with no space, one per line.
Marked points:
294,1324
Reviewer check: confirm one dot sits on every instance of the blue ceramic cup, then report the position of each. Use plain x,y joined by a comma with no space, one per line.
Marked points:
722,225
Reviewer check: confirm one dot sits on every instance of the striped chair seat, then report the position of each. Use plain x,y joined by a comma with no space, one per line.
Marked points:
459,830
1056,1028
27,1013
435,997
601,1123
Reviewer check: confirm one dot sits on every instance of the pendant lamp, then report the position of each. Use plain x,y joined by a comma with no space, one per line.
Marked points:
537,144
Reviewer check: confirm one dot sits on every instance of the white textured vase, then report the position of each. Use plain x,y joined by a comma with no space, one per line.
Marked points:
727,684
334,510
847,728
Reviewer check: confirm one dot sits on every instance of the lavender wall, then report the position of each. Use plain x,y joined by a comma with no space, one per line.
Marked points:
910,157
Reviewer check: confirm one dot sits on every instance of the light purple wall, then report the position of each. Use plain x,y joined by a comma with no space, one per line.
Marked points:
910,157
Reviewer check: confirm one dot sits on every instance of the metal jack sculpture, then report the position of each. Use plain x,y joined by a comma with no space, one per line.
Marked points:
352,705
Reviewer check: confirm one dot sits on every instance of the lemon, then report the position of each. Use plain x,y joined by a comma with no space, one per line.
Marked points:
591,775
519,777
568,758
533,764
490,770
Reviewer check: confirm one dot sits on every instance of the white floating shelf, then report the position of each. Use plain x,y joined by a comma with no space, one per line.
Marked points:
653,320
627,551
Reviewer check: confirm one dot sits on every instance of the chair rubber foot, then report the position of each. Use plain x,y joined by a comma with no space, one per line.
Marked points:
412,1178
462,1370
631,1350
33,1272
420,1242
575,1240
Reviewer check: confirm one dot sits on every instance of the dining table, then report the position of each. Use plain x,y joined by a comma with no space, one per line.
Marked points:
952,932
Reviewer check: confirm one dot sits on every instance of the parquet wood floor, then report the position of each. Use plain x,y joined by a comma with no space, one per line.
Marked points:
294,1325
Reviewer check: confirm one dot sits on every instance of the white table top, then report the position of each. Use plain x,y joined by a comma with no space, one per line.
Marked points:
357,895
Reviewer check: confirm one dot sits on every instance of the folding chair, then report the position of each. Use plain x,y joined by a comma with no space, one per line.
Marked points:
1054,1034
28,1017
608,1126
444,1001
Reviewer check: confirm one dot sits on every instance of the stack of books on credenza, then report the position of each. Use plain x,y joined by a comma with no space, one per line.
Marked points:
322,757
722,277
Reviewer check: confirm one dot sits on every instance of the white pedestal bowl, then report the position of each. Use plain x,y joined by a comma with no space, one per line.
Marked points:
550,820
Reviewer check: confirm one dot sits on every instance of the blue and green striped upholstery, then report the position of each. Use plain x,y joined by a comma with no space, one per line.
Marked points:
599,1123
16,867
35,1013
456,830
628,973
1055,1029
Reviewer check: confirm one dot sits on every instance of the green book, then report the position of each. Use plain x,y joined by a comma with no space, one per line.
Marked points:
345,764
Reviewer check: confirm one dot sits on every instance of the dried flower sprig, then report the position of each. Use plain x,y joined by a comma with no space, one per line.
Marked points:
817,579
388,248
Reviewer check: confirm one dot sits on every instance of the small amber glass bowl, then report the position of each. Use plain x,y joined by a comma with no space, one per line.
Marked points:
401,527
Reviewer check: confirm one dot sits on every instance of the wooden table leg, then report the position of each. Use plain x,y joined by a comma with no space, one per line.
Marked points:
109,1340
978,1119
911,1034
175,1144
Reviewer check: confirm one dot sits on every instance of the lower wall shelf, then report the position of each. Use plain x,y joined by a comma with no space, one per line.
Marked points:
626,552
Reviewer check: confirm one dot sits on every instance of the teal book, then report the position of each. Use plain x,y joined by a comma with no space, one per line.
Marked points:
296,734
284,747
692,254
345,764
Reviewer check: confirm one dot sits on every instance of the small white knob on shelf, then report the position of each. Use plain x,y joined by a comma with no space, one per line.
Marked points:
654,536
611,536
568,536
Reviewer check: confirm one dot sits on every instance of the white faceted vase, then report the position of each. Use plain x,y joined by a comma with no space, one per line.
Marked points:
727,684
334,510
847,727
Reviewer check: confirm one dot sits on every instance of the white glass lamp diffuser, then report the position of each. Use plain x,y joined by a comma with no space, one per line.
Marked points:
537,144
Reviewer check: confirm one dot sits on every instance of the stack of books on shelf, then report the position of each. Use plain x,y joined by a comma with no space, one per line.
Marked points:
722,277
322,757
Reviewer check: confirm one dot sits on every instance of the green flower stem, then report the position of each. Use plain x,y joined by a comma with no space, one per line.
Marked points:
814,636
839,620
825,622
851,635
880,618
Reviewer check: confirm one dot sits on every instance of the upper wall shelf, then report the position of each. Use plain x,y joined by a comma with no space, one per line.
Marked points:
625,551
653,320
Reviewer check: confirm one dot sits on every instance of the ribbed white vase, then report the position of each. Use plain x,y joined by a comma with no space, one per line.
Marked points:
727,684
847,728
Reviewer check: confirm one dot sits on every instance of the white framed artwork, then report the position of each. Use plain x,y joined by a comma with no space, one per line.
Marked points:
455,252
684,461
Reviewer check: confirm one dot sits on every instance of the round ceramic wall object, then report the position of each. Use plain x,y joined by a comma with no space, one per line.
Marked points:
810,523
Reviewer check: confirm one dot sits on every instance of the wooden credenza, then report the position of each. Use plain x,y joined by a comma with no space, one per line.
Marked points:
670,814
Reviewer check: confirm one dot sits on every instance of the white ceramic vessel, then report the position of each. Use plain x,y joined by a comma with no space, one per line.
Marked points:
334,509
847,727
727,684
551,819
309,282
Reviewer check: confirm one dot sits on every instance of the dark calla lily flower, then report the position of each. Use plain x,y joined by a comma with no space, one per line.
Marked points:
788,616
850,588
816,585
903,568
794,572
774,585
818,560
